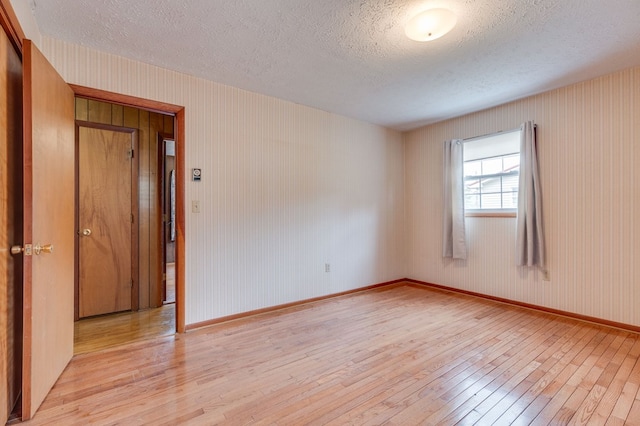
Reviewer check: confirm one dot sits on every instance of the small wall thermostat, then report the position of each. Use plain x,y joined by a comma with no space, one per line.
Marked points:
196,175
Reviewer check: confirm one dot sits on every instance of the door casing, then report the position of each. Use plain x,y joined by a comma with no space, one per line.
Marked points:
179,137
11,225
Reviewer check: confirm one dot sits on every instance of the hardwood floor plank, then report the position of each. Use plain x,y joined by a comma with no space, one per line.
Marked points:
633,418
106,331
613,392
489,351
625,400
568,410
503,368
615,421
593,410
401,355
545,397
527,388
517,410
553,393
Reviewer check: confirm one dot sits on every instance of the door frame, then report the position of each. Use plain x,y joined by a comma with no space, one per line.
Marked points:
161,184
135,289
11,25
13,388
179,136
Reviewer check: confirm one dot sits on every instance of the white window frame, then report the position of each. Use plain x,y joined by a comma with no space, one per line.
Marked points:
496,145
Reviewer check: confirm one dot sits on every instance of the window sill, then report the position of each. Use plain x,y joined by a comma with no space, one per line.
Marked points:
490,214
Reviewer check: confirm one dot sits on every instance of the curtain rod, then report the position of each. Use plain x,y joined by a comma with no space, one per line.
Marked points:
493,134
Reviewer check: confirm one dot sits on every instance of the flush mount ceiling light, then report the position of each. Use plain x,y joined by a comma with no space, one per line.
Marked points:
430,24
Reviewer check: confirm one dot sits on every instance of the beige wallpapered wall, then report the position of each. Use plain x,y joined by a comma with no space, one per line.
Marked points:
589,154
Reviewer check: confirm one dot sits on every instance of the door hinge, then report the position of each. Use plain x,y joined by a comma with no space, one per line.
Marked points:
131,283
132,218
130,154
164,277
165,218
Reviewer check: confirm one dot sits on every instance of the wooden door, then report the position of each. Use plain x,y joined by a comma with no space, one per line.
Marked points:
10,225
107,197
48,211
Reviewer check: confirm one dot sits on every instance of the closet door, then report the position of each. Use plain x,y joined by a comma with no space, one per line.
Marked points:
107,206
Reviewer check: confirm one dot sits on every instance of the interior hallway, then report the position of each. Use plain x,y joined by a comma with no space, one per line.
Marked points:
106,331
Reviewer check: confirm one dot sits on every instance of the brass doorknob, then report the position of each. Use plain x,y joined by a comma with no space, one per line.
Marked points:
17,249
86,232
47,248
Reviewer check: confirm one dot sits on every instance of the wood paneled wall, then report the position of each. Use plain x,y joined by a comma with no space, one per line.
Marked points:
149,125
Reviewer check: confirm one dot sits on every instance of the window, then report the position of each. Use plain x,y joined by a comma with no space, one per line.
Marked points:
491,173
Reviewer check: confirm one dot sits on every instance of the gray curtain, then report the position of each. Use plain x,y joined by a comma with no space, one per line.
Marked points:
454,242
530,249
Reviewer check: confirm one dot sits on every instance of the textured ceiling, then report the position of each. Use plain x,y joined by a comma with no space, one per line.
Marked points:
351,57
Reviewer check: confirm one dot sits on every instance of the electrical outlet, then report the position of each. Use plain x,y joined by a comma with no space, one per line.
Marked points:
327,267
195,206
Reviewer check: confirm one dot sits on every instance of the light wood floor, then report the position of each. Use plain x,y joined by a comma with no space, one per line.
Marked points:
402,355
106,331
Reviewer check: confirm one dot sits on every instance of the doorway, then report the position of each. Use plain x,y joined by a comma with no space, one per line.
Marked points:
167,185
147,316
